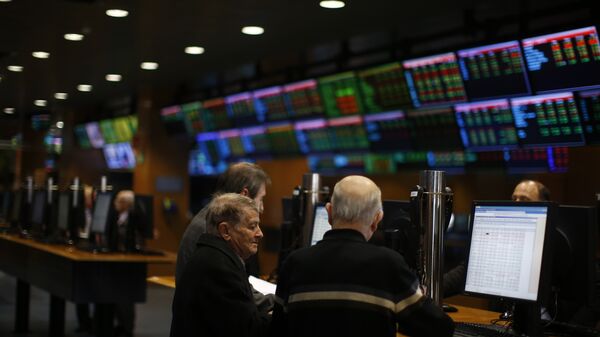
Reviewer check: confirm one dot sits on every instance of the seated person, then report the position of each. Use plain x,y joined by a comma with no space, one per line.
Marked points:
213,296
344,286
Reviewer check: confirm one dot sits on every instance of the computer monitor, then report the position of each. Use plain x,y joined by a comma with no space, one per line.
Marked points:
575,246
102,208
5,210
320,224
38,211
509,257
15,208
64,208
143,215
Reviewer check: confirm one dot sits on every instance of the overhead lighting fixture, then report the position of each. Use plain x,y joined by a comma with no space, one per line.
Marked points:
149,65
253,30
113,77
84,87
9,111
117,13
40,102
15,68
40,54
61,95
73,37
332,4
60,124
194,50
5,0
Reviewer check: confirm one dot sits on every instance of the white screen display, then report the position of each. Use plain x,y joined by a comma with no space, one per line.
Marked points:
320,225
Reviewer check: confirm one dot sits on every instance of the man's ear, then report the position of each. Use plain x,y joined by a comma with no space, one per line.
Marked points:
328,209
223,228
376,220
245,192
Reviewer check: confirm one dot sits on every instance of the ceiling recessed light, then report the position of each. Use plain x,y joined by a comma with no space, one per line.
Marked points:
40,102
5,0
15,68
73,37
332,4
117,13
149,65
61,95
113,77
253,30
60,124
9,111
40,54
84,87
194,50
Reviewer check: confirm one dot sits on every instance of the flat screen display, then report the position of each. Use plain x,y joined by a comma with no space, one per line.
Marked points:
532,160
269,102
282,139
506,250
434,129
487,125
172,118
240,108
563,61
387,131
589,110
213,147
255,140
64,207
349,133
214,115
82,137
303,100
191,117
124,129
108,131
493,71
340,95
314,136
119,156
434,80
550,119
199,164
232,144
102,207
38,209
94,135
384,88
320,224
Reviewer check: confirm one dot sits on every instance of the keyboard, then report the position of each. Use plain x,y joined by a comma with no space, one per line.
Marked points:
481,330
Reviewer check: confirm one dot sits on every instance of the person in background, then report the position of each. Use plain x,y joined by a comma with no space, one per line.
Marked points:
344,286
246,179
213,296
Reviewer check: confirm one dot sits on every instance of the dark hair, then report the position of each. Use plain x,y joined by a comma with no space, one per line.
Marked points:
228,207
242,175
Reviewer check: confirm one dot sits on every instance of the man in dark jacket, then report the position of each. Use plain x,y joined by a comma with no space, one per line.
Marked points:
344,286
213,296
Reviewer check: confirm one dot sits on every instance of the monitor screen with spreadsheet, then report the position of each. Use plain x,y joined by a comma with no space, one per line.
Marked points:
507,249
320,224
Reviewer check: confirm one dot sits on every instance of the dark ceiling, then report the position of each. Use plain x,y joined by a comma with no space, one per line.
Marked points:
159,30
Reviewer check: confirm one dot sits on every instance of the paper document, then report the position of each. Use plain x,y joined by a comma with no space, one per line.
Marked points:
262,286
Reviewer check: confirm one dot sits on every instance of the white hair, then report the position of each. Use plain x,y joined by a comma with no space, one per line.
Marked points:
355,204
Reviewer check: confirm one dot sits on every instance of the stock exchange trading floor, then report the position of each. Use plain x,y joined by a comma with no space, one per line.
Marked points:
153,318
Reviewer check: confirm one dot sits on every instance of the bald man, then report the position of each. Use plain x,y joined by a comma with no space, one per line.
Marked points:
344,286
530,190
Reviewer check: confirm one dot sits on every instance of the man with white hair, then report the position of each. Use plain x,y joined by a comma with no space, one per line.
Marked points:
344,286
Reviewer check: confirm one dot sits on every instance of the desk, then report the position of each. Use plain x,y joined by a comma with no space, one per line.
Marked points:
167,281
74,275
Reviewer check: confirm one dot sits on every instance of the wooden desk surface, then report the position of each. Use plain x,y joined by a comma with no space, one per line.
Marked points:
72,253
167,281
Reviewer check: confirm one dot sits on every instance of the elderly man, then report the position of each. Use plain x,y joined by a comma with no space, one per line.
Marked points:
213,296
344,286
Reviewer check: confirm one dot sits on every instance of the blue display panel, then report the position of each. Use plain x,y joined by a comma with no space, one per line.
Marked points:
493,71
240,108
337,163
119,156
199,164
550,119
589,109
82,136
434,80
387,131
434,129
255,141
93,132
486,126
269,102
232,145
314,136
303,100
191,117
348,133
213,147
563,61
532,160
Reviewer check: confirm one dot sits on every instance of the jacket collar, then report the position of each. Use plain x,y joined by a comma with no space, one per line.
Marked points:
345,234
213,241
